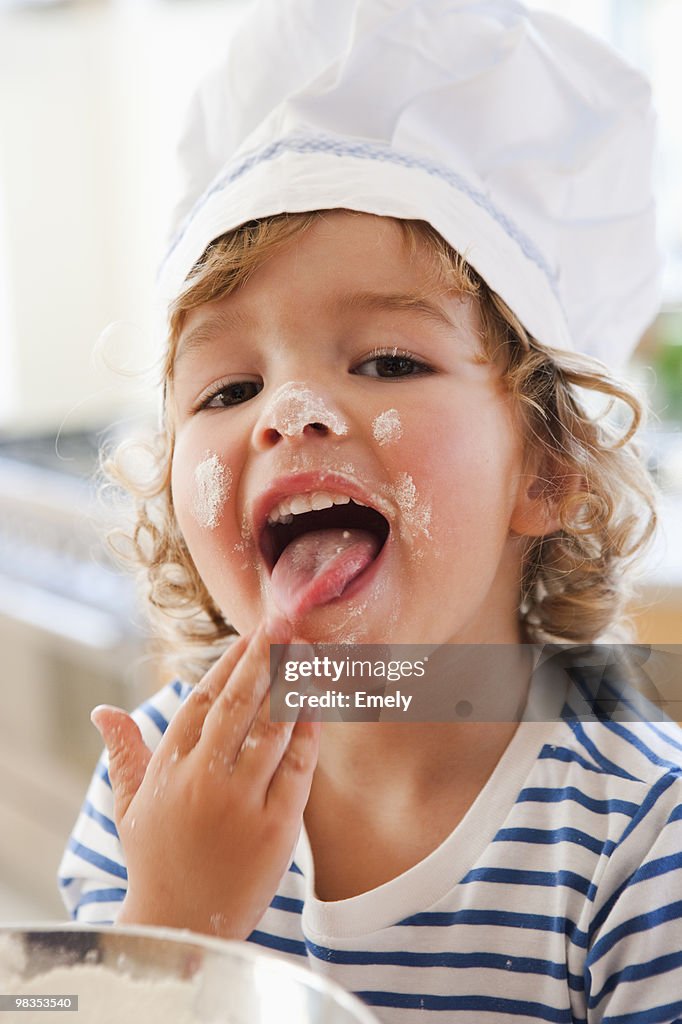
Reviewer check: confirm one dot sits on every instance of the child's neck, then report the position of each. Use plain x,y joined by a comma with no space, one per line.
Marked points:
409,761
475,695
384,797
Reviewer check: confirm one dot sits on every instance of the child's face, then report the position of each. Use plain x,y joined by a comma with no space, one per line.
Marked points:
437,451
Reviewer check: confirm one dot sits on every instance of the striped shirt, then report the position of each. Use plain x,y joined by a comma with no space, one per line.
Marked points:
558,897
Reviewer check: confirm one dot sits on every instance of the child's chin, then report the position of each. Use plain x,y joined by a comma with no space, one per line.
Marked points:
325,625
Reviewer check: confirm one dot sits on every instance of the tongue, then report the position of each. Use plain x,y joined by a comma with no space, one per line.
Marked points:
317,567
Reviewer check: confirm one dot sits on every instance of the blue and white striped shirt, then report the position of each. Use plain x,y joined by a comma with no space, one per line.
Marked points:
558,897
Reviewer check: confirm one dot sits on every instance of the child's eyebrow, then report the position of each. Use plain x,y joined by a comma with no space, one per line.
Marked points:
217,324
397,302
211,329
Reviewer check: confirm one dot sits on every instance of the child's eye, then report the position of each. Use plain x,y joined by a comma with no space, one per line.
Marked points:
392,363
222,395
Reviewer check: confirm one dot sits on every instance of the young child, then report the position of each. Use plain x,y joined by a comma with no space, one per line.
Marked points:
410,226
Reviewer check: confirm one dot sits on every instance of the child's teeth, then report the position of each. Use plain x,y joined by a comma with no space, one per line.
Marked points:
321,500
300,503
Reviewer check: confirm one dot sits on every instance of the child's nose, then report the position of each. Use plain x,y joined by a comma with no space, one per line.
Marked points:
296,410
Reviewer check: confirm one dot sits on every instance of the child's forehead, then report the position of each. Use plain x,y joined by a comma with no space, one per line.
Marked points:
343,265
372,244
236,314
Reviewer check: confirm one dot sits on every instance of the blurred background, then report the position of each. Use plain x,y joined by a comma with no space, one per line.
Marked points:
92,93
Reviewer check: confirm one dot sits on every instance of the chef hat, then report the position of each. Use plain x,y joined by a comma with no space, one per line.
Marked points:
524,141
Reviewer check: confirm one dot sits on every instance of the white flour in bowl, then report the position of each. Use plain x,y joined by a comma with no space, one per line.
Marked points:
106,996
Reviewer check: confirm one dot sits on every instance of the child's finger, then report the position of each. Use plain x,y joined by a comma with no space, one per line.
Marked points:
290,785
262,750
128,754
231,716
183,733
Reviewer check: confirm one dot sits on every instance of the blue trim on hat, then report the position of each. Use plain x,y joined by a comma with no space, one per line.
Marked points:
365,150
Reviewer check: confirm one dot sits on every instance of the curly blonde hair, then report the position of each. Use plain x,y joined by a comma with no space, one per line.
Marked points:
577,581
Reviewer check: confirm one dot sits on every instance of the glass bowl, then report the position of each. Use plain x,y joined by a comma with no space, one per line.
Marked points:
143,975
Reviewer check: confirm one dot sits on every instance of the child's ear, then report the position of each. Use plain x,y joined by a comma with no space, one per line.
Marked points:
542,491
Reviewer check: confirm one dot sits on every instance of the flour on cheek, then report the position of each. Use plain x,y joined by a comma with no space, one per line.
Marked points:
212,481
386,427
415,514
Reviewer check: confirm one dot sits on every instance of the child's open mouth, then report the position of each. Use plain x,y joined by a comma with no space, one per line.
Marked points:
315,554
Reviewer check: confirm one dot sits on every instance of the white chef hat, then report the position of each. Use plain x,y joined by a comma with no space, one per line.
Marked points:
524,141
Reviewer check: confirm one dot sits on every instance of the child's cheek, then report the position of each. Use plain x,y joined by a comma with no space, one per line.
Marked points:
201,488
415,512
387,427
210,489
402,443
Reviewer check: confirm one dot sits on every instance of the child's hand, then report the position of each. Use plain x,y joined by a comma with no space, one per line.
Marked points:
209,821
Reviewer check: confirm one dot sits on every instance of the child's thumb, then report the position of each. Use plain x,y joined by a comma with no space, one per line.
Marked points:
128,753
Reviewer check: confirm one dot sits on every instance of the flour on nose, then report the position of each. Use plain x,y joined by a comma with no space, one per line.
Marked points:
294,406
212,482
386,427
